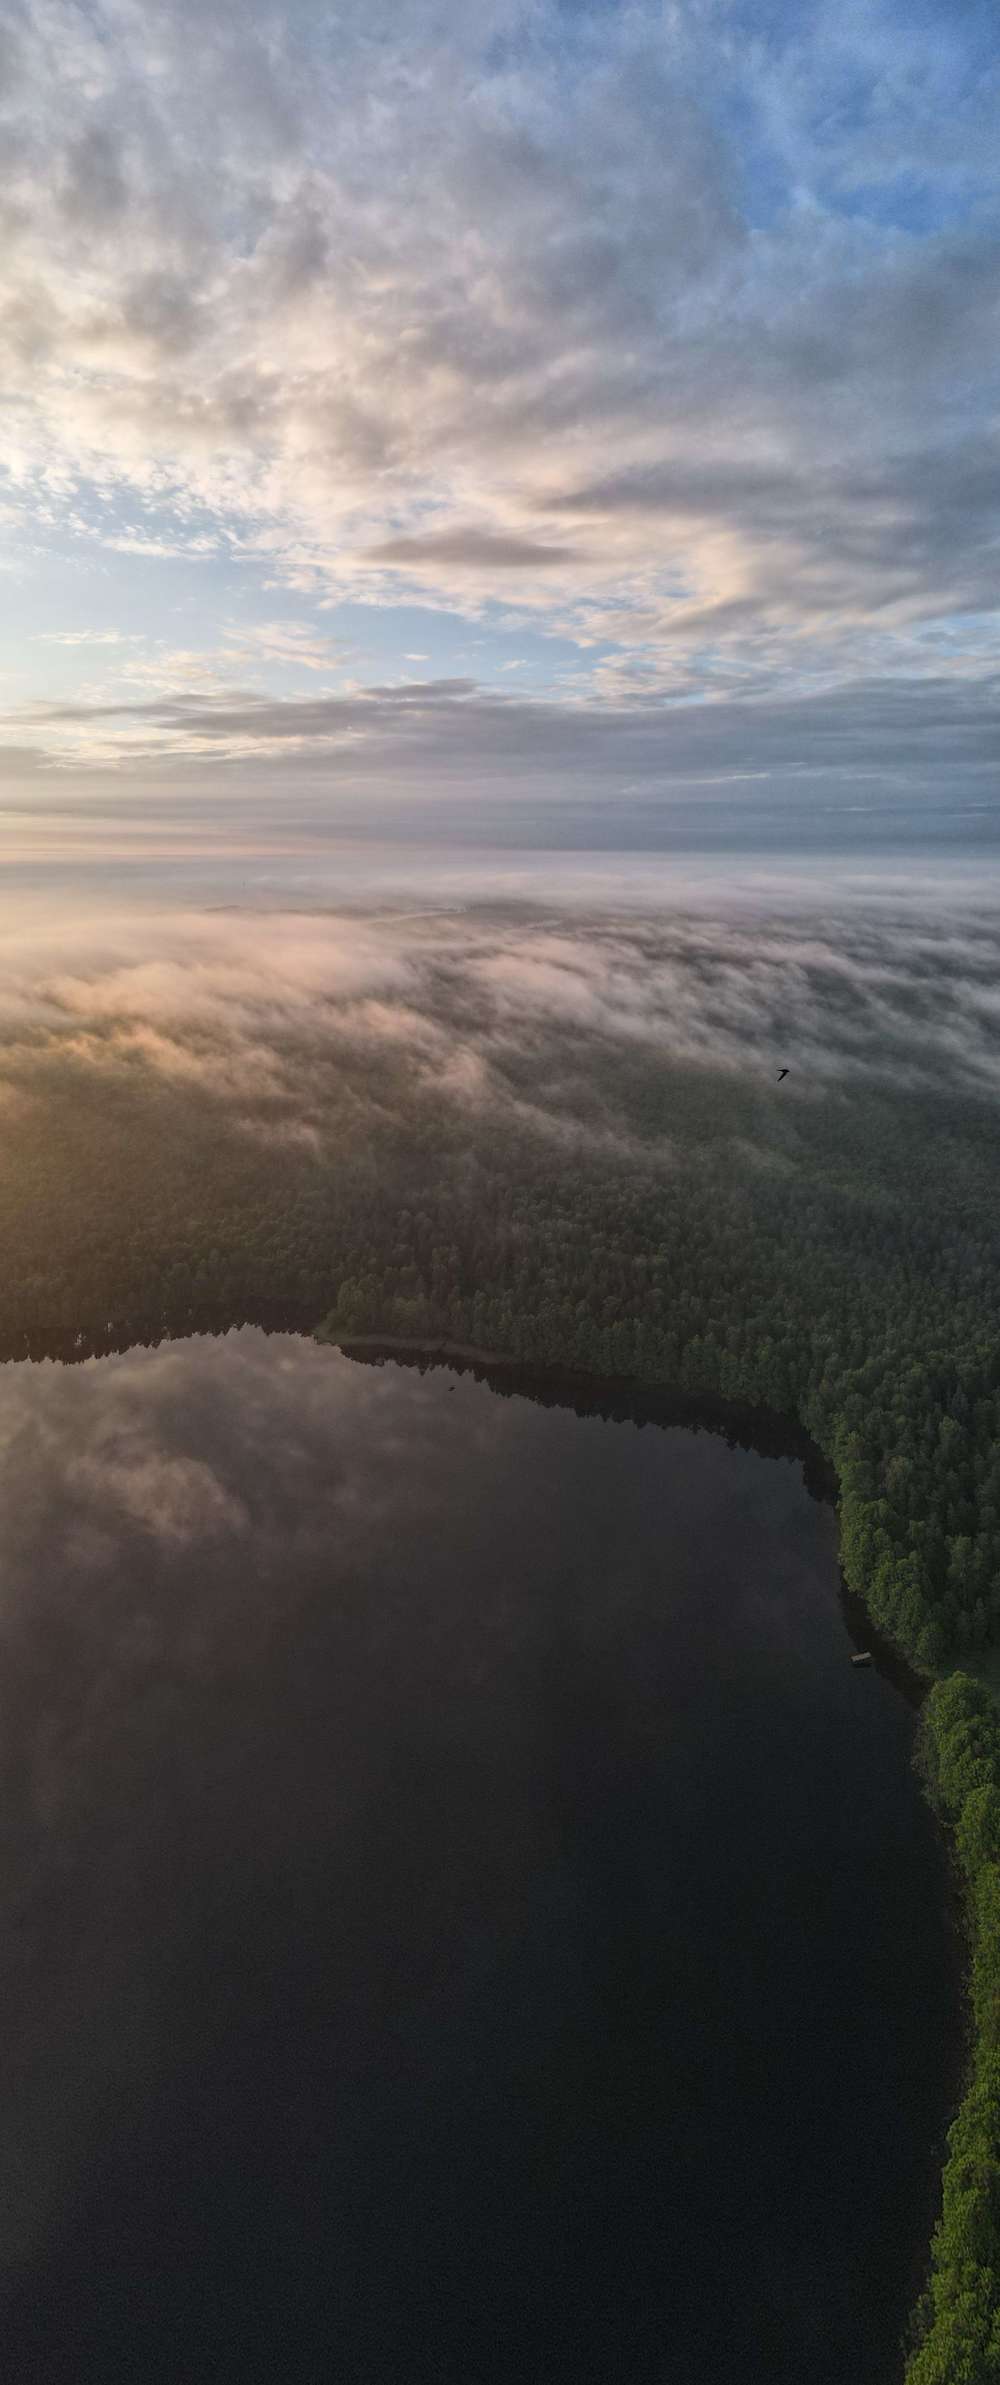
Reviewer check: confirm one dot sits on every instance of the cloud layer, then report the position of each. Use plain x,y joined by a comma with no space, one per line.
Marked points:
312,1026
673,332
879,760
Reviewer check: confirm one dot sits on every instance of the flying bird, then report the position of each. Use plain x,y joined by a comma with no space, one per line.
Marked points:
782,1072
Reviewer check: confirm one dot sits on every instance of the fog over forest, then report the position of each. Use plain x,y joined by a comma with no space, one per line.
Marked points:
256,1005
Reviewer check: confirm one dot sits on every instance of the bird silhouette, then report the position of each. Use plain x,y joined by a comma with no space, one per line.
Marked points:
782,1072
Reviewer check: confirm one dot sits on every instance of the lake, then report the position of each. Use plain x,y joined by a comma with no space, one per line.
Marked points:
463,1918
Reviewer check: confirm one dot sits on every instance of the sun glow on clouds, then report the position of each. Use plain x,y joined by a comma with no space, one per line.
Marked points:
264,1013
658,346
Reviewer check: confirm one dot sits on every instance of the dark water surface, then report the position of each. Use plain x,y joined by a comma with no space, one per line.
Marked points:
464,1919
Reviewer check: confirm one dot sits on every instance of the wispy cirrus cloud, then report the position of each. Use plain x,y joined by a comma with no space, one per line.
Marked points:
88,637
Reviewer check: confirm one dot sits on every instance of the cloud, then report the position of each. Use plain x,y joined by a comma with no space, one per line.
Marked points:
682,322
20,761
88,637
463,547
131,542
892,757
288,642
575,1023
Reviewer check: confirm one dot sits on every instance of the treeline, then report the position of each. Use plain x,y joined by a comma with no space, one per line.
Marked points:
841,1267
957,2324
893,1368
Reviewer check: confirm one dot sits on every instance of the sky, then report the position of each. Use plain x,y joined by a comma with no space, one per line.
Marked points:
534,424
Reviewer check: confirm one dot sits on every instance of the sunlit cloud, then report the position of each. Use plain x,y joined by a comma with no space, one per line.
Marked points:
674,333
292,1023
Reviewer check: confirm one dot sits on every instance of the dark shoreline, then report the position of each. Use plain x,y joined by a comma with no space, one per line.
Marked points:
619,1398
70,1346
624,1399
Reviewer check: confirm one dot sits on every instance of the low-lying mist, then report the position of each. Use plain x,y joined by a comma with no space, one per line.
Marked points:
256,1005
209,1102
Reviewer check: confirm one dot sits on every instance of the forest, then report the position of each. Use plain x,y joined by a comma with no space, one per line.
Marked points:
956,2327
579,1195
837,1261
